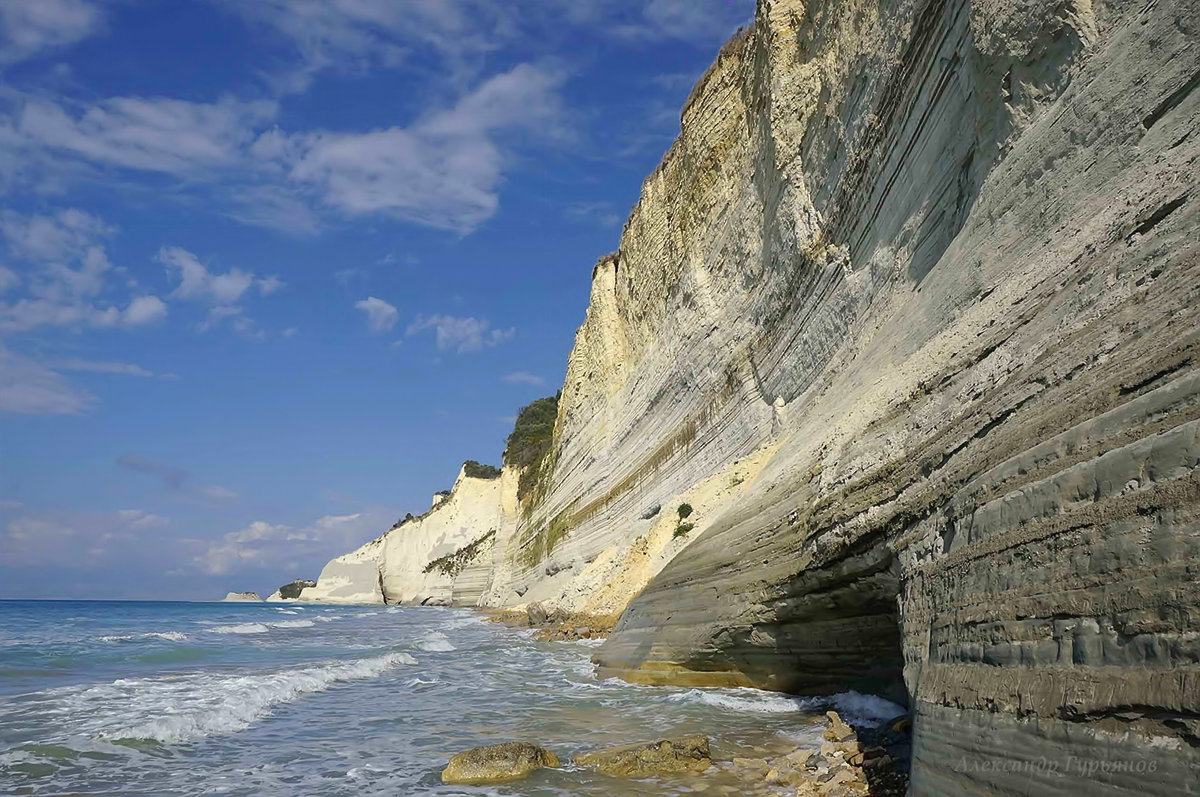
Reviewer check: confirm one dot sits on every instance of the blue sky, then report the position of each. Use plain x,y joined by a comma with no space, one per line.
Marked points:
271,270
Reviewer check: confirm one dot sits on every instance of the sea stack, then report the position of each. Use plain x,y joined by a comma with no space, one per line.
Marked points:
242,597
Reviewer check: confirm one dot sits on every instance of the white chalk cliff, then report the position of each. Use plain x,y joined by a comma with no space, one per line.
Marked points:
907,315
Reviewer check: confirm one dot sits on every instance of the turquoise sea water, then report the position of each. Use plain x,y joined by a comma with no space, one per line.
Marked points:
141,699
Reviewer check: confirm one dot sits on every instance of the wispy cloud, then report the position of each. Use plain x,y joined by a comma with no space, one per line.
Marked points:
153,134
27,388
197,282
67,272
602,214
262,542
101,367
461,335
171,476
524,378
30,27
381,316
91,537
442,171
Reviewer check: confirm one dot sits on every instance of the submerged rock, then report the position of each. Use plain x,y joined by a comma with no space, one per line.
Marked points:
684,754
497,763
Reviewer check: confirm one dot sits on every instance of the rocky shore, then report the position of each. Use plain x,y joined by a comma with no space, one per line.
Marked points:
849,762
555,625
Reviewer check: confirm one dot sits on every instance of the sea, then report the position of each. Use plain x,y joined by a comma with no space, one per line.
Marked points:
154,699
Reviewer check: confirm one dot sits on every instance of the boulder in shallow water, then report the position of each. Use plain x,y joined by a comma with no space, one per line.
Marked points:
836,730
497,763
684,754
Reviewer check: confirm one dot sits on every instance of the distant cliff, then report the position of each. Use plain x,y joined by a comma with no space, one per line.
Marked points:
907,316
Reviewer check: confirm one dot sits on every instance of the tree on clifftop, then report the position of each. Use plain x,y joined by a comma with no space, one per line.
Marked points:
529,443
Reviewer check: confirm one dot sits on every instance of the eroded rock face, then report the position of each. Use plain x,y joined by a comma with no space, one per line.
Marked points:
497,763
242,597
663,757
907,314
443,557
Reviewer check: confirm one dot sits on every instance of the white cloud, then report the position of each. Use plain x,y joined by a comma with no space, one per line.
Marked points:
150,134
353,35
8,279
71,270
197,282
264,543
66,234
269,285
444,170
144,310
381,316
222,291
218,493
27,388
28,27
461,335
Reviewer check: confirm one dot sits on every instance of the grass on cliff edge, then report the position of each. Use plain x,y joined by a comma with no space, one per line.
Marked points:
530,441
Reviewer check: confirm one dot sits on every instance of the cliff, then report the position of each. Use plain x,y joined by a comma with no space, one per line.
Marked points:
908,315
439,558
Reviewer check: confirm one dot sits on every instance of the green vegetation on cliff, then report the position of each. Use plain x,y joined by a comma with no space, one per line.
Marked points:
453,564
292,591
474,470
530,441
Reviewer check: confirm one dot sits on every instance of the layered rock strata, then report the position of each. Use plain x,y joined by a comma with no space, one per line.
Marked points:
908,316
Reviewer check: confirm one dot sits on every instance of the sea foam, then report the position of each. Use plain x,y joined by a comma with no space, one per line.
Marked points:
259,628
853,707
170,636
436,642
182,708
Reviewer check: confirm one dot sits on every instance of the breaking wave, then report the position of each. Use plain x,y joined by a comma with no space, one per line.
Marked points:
182,708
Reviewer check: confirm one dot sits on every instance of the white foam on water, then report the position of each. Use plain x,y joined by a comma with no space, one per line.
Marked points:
436,642
462,619
170,636
287,611
173,709
744,699
865,709
853,707
292,624
240,628
329,618
587,643
259,628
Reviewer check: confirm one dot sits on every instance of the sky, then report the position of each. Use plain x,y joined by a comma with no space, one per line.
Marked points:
271,270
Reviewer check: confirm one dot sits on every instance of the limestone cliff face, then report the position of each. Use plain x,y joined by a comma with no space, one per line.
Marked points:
442,557
941,258
908,315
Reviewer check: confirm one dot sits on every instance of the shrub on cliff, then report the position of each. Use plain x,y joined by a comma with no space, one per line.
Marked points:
683,528
474,470
293,590
685,511
530,441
